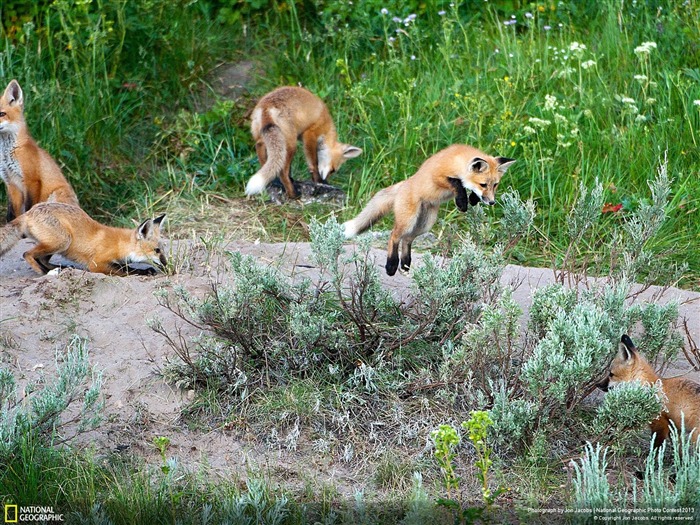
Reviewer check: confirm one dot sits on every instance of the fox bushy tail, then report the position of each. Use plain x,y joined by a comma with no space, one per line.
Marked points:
276,148
377,207
10,234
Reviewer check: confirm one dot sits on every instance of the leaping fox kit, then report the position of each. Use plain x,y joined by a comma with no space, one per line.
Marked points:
452,172
683,394
284,116
67,230
30,174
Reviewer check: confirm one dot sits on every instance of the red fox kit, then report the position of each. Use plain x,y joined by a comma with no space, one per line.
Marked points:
683,394
284,116
69,231
415,201
30,174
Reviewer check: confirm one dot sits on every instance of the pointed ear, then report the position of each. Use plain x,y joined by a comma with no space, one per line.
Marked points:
503,163
158,220
145,230
628,351
477,164
13,94
350,152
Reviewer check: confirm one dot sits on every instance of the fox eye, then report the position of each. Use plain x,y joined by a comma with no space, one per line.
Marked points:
2,113
157,250
483,185
611,375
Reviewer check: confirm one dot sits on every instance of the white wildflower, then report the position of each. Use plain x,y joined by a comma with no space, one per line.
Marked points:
577,49
529,130
561,142
384,11
550,103
566,72
641,78
650,101
696,102
588,64
644,49
560,119
640,119
574,132
539,123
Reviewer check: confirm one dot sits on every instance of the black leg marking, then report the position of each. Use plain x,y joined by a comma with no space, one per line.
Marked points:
461,199
474,199
392,264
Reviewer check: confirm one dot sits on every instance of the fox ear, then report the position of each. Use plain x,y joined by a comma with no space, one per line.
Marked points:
628,351
148,227
477,164
158,220
13,94
504,163
350,152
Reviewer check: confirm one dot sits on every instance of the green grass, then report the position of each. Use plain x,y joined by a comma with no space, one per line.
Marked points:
116,93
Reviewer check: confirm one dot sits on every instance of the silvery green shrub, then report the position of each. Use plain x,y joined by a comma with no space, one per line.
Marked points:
628,405
41,416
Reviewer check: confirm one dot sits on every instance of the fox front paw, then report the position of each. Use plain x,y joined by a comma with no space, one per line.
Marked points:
391,266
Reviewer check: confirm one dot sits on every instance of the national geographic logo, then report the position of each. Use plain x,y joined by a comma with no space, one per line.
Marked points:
31,514
10,513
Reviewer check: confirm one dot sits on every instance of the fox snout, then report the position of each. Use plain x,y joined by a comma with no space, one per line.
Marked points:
604,384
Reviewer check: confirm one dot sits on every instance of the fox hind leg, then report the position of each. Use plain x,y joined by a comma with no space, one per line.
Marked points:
286,175
427,215
392,257
38,258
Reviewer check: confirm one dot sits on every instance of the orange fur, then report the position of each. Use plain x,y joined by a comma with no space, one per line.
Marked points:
683,395
30,174
67,230
450,173
284,116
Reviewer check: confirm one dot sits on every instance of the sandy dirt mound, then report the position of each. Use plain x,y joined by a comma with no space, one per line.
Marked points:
38,315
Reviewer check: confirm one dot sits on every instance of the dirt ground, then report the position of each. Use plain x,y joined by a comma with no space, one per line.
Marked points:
38,314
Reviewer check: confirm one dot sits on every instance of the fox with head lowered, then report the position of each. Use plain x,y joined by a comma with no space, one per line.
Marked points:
279,120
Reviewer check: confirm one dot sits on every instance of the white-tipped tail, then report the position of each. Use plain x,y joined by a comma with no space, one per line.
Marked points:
276,149
350,229
256,184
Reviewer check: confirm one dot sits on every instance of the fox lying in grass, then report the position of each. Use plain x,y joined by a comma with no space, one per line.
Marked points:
67,230
683,394
30,174
452,172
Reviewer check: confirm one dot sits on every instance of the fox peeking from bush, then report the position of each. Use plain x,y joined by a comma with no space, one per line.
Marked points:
682,394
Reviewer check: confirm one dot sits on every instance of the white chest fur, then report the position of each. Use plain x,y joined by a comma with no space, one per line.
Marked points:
10,170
